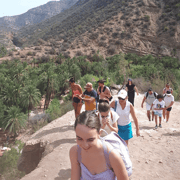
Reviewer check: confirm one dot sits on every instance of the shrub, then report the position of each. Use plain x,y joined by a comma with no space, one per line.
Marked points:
115,35
103,38
93,36
147,18
37,48
8,163
101,43
79,53
52,51
56,110
111,50
3,51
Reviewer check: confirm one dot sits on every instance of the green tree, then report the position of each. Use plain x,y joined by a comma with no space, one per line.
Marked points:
14,120
30,96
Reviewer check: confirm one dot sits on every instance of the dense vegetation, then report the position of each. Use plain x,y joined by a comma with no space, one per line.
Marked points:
8,163
23,85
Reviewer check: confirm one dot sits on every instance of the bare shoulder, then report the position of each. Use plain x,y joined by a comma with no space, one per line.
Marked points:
112,104
73,151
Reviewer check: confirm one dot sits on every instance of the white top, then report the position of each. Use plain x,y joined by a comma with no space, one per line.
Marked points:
150,98
168,99
123,114
158,104
112,121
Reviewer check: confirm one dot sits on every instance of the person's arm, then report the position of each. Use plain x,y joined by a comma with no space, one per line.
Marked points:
98,92
79,89
112,127
117,165
164,91
88,99
112,104
172,102
171,90
75,166
126,88
143,101
136,90
135,119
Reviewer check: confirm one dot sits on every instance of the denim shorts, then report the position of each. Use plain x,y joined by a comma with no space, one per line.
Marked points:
157,113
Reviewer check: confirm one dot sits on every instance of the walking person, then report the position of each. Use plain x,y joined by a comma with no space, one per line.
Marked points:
131,88
124,108
149,97
158,105
93,158
76,96
108,118
167,88
169,101
103,91
89,97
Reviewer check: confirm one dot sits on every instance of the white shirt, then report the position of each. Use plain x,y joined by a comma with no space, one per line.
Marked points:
150,98
123,114
114,119
168,99
157,104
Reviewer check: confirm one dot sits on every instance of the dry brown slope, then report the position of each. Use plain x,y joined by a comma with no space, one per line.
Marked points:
155,155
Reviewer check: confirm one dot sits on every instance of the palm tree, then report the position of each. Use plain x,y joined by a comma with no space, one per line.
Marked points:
30,96
14,120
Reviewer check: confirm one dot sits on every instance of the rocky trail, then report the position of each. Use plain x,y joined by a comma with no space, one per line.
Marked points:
155,154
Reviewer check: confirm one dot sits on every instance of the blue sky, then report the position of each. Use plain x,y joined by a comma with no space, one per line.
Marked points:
16,7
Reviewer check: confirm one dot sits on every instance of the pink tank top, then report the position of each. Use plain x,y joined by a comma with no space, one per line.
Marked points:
76,92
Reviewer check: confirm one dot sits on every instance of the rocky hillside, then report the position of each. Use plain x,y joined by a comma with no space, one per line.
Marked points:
111,26
35,15
108,27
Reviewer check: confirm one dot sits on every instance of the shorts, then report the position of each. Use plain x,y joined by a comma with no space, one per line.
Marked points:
148,107
76,100
169,109
157,113
125,132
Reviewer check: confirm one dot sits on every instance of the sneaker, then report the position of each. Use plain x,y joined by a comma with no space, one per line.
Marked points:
164,120
152,119
160,126
156,127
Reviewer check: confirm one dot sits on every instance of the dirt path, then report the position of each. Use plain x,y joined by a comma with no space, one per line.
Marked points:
155,154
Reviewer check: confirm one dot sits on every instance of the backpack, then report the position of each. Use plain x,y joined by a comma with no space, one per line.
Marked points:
148,94
119,144
104,88
115,107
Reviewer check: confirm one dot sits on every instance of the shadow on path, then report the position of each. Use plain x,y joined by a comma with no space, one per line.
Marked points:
146,127
64,174
172,134
54,130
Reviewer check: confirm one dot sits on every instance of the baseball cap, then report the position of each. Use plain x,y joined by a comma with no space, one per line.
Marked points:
122,94
88,85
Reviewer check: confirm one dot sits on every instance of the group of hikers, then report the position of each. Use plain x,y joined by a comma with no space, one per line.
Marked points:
102,116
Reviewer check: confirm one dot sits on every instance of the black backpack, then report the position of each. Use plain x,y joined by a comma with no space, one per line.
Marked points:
103,91
153,93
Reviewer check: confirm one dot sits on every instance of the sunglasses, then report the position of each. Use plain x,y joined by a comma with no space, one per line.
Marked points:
105,116
120,98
